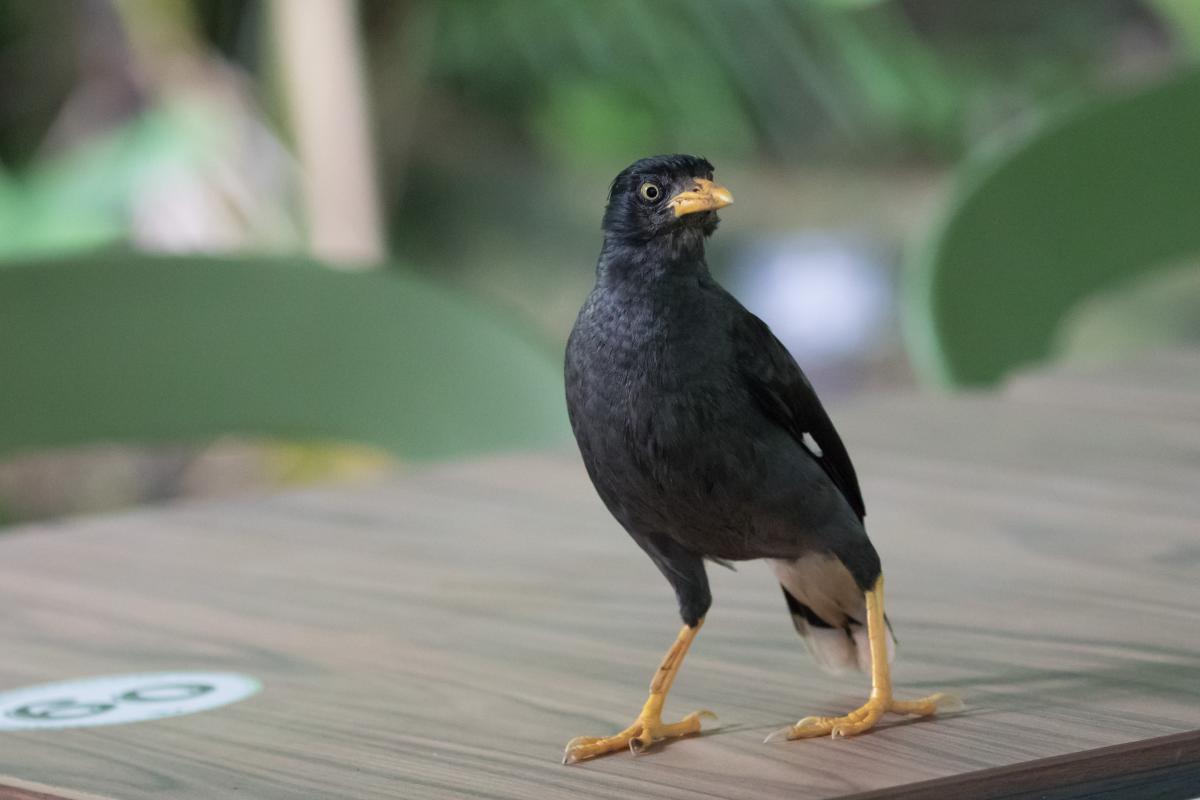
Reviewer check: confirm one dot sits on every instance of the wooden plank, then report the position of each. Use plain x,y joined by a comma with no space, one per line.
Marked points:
1159,384
15,789
1163,768
443,634
18,793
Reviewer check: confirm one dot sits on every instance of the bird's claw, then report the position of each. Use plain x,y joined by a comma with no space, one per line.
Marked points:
864,718
775,736
638,737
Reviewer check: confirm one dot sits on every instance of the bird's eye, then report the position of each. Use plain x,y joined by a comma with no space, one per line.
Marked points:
650,191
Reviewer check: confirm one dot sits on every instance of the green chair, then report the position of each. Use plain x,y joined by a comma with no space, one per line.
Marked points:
1103,196
120,347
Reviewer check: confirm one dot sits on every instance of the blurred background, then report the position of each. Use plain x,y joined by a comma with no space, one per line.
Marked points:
470,144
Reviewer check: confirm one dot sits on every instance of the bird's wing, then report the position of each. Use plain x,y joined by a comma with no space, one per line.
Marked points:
782,391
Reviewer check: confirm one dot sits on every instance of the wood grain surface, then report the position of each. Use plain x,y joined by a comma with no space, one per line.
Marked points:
1158,384
441,634
1161,768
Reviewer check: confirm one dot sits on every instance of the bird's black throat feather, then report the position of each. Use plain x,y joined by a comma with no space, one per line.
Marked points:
679,253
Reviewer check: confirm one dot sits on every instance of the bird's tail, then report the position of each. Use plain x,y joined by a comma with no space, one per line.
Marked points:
829,612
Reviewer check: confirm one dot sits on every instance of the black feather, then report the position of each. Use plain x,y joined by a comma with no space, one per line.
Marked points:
784,394
690,415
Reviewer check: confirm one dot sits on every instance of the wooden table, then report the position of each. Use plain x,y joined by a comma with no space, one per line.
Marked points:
442,633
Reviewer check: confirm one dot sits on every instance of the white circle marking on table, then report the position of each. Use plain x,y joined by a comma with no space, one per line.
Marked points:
119,699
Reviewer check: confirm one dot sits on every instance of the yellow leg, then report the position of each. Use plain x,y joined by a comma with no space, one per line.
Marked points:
648,728
881,700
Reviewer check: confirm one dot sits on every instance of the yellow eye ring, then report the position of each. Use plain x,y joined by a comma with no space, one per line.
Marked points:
650,191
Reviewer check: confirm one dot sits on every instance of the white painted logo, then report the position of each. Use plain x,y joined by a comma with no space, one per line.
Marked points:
117,699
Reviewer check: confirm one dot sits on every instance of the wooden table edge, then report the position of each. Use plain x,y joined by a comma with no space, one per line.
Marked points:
16,789
1164,768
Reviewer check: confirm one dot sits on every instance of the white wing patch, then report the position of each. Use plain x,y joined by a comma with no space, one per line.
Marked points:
812,445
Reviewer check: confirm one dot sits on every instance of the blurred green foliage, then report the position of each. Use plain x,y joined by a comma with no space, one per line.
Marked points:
572,85
775,79
1183,18
121,347
80,199
498,123
1101,197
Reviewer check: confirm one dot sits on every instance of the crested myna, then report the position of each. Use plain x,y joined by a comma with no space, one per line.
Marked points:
705,440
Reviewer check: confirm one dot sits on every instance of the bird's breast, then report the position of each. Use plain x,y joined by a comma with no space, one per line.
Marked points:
640,367
648,390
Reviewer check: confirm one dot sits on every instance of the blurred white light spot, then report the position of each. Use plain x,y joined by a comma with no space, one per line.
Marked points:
827,299
812,445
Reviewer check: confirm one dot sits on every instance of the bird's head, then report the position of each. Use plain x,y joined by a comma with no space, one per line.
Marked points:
664,195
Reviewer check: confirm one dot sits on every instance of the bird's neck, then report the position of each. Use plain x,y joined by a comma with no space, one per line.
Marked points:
679,254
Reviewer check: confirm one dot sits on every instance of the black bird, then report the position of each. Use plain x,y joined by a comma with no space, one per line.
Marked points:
706,441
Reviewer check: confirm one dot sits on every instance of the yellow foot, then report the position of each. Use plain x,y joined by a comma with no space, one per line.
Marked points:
863,719
638,737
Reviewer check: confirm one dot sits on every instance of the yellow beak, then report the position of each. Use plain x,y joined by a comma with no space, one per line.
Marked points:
707,196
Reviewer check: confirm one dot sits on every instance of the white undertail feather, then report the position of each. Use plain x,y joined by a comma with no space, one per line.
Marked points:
822,583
